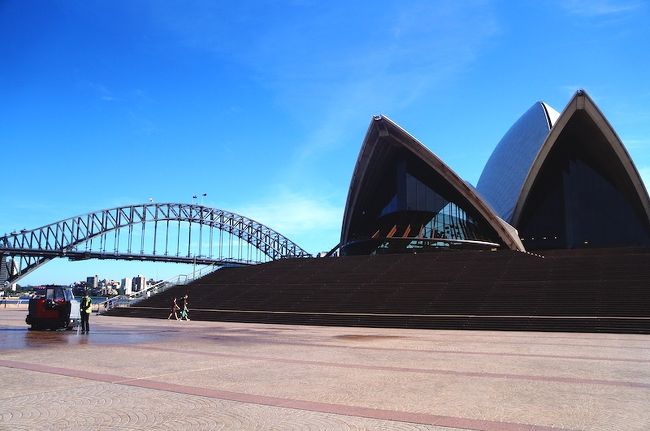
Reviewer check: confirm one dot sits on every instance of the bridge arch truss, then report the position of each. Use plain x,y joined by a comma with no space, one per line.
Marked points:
162,232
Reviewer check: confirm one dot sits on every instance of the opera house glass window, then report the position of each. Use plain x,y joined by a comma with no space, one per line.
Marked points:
566,181
410,213
581,197
403,198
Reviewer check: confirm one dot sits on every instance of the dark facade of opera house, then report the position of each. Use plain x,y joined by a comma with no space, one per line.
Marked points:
554,181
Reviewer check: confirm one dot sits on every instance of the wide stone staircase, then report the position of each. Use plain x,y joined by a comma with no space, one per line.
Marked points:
570,290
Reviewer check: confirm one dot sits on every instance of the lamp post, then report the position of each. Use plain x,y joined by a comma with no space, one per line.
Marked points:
195,198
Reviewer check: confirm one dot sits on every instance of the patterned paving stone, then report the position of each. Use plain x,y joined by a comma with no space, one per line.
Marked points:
107,407
144,374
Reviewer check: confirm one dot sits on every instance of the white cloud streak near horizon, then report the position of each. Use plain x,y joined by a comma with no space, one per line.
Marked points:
599,8
298,217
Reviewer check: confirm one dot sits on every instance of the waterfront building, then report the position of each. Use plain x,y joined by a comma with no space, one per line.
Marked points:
566,180
555,181
126,286
139,283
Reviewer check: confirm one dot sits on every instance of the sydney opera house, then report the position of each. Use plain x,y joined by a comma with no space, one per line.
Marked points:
555,236
555,181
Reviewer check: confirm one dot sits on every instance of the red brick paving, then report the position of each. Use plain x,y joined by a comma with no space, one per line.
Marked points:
389,415
628,384
331,378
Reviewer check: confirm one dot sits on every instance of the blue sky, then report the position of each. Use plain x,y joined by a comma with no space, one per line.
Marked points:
263,105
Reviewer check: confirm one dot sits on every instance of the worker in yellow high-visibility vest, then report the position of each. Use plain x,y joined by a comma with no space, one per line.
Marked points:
85,309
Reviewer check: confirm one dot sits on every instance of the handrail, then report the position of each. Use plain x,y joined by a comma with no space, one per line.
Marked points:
177,280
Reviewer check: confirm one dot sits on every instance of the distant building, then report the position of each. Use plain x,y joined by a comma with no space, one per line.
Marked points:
127,286
554,181
7,269
92,282
139,283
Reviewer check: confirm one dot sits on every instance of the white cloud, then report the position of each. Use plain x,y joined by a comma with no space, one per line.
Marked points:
570,89
292,213
396,55
599,8
312,222
636,143
101,91
390,58
424,47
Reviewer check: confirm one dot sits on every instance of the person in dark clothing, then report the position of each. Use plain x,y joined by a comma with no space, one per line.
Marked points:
85,309
185,312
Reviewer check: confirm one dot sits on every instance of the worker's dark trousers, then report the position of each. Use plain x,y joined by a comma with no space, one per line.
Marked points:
85,327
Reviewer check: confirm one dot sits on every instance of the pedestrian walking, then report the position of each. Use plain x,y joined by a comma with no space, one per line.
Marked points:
185,312
174,309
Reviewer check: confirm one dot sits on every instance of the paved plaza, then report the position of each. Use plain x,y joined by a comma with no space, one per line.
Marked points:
146,374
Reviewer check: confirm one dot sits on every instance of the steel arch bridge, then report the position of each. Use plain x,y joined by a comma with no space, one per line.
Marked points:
162,232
